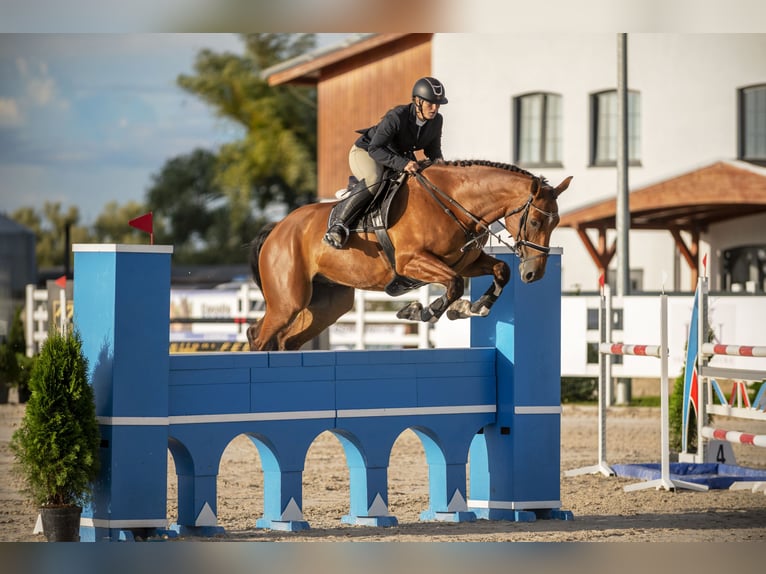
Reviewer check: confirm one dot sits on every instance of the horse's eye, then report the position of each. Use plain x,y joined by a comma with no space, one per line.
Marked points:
534,223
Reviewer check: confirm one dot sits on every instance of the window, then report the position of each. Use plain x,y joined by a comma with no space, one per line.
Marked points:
744,269
604,128
635,277
752,124
537,136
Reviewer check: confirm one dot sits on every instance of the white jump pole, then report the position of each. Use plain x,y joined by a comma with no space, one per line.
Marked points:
604,379
664,481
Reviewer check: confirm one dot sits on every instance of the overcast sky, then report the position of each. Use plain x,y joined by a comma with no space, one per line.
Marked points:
87,119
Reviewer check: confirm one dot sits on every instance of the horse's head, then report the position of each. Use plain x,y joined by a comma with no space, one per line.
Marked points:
536,221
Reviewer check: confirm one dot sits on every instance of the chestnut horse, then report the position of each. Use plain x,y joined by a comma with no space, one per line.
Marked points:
438,223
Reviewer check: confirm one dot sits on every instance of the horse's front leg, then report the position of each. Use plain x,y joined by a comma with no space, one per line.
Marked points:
431,314
484,265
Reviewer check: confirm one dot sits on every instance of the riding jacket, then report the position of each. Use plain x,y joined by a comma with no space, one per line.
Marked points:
394,140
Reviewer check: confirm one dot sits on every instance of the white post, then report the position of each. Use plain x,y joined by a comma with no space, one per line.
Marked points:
62,310
605,374
664,481
702,399
359,302
607,368
424,327
29,320
664,410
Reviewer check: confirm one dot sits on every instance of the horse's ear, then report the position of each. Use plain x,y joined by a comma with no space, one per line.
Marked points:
537,185
563,185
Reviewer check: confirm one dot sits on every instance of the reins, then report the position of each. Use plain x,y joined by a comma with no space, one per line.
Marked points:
440,197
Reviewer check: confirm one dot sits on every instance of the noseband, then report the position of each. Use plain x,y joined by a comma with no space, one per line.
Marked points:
520,241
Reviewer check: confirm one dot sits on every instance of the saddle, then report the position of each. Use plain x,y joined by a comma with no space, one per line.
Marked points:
375,218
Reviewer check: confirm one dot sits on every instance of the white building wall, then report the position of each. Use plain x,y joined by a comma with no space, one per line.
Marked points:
688,85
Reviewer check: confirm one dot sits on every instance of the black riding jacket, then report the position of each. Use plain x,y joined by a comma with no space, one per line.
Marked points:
395,139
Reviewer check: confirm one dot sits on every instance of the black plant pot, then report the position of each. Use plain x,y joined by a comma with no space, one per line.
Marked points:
61,523
23,394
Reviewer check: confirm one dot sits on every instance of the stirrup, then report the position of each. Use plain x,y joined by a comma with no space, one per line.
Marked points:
336,236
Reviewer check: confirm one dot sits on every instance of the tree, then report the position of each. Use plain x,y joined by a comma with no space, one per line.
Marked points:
57,444
50,229
111,225
193,213
276,159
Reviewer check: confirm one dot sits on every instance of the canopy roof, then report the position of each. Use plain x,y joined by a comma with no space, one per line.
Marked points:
690,202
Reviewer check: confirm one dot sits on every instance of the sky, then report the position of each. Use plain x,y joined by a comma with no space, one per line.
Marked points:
86,119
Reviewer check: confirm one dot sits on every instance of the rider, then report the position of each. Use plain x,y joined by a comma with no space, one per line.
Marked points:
391,143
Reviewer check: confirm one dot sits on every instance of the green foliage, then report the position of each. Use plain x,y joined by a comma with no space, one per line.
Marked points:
194,215
57,445
645,401
275,161
26,364
578,390
675,418
49,227
9,368
753,390
16,339
112,226
14,364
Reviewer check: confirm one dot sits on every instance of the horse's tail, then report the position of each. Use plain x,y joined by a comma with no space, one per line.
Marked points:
255,251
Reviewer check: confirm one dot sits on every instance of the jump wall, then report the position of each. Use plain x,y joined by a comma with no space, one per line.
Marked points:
498,400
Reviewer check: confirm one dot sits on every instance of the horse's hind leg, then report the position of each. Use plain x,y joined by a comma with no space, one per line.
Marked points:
328,303
285,294
252,333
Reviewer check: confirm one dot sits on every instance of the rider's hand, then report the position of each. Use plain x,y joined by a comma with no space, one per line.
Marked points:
412,167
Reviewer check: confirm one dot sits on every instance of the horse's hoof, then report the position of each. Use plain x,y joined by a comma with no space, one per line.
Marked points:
411,311
460,309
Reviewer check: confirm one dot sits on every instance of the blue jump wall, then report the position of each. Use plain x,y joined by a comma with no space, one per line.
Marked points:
498,400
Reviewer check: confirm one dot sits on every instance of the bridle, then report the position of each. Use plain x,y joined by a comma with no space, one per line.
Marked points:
474,238
520,241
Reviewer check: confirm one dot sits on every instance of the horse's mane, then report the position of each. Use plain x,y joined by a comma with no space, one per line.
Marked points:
495,164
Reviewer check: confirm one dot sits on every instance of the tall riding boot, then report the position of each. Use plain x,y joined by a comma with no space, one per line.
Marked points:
346,215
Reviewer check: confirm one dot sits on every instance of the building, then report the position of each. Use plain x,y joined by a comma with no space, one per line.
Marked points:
18,267
547,102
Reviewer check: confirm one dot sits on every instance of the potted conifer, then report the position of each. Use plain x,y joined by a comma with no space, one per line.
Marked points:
57,444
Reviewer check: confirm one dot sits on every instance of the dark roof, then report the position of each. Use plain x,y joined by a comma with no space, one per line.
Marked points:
9,227
691,201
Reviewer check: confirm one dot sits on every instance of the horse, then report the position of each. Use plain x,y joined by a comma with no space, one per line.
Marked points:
438,223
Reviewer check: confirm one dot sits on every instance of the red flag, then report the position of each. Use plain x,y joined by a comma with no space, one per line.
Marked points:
61,281
143,223
704,265
601,280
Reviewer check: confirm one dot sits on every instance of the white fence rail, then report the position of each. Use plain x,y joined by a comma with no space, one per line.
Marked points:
207,319
636,317
225,314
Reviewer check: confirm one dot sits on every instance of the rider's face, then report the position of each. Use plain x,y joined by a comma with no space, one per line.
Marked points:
426,110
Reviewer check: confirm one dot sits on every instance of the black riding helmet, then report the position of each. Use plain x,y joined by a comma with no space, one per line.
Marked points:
430,89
